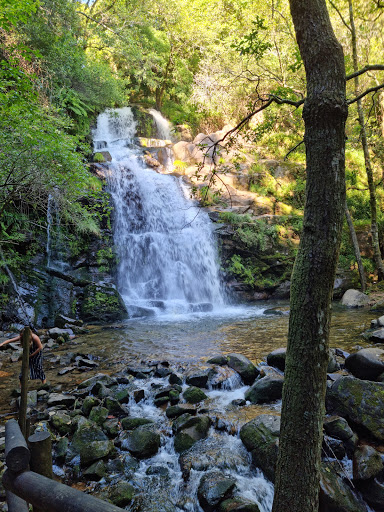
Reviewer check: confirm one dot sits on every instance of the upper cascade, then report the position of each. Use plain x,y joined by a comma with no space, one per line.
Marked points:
168,261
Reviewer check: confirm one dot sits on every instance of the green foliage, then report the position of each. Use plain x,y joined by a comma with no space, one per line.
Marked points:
98,157
251,43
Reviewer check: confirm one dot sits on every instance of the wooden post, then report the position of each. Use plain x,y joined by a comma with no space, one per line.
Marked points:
51,496
16,504
24,380
40,446
17,454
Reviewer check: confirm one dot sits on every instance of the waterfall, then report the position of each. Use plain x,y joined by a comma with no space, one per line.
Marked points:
164,242
162,125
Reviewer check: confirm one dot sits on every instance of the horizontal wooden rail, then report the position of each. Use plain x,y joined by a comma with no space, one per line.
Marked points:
50,496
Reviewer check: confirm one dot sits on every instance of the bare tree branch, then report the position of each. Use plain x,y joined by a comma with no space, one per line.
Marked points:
367,91
341,16
99,23
368,67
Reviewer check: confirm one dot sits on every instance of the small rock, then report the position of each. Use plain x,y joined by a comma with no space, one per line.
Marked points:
214,488
194,395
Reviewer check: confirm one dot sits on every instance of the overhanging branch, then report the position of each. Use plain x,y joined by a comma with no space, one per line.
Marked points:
368,67
367,91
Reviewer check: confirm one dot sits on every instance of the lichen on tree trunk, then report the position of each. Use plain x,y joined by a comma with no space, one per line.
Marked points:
325,113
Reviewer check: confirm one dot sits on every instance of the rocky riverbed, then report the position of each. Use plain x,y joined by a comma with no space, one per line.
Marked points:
169,435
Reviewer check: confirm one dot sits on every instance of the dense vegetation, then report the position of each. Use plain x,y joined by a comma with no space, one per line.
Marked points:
203,63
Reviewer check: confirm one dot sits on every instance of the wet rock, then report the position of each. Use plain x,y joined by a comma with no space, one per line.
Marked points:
59,399
62,320
122,396
143,442
90,442
159,402
162,372
366,364
113,406
96,472
139,395
177,410
219,360
140,369
88,404
202,307
121,494
198,378
373,493
336,426
261,437
132,423
61,422
243,366
174,378
194,395
367,463
214,488
239,402
161,471
60,333
220,376
377,336
360,401
101,378
378,322
335,494
61,448
189,429
111,427
67,369
100,390
140,312
265,390
333,448
98,414
277,358
354,299
81,361
238,505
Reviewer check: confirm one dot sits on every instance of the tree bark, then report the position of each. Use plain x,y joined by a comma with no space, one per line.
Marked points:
367,157
325,112
356,248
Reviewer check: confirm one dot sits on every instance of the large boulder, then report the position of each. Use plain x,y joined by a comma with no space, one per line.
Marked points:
266,390
194,395
335,493
367,363
143,442
244,367
277,358
189,429
359,401
354,299
102,303
90,442
261,437
367,463
214,488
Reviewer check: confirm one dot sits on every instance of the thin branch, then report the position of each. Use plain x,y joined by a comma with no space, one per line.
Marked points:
293,149
367,91
341,16
368,67
99,23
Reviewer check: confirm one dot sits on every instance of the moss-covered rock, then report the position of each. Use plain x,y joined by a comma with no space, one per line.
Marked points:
88,404
261,437
189,429
243,366
194,395
132,423
143,442
214,488
96,471
360,401
121,494
266,390
61,422
102,303
237,504
98,414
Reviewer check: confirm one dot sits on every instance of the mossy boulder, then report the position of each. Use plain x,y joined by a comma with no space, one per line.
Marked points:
335,494
102,303
261,437
143,442
214,488
61,422
98,414
189,429
90,442
237,504
194,395
121,494
243,366
96,471
88,404
367,463
360,401
266,390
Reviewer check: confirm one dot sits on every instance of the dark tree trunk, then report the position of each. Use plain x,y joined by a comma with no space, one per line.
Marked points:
325,113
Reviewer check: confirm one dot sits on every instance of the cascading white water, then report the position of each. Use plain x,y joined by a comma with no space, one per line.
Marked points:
162,125
165,244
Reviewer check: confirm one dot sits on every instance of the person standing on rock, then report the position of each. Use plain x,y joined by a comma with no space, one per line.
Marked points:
36,370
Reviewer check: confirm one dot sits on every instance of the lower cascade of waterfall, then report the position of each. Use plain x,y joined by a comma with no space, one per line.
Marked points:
168,261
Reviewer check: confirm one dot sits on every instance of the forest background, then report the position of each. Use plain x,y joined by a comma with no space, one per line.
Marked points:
203,64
